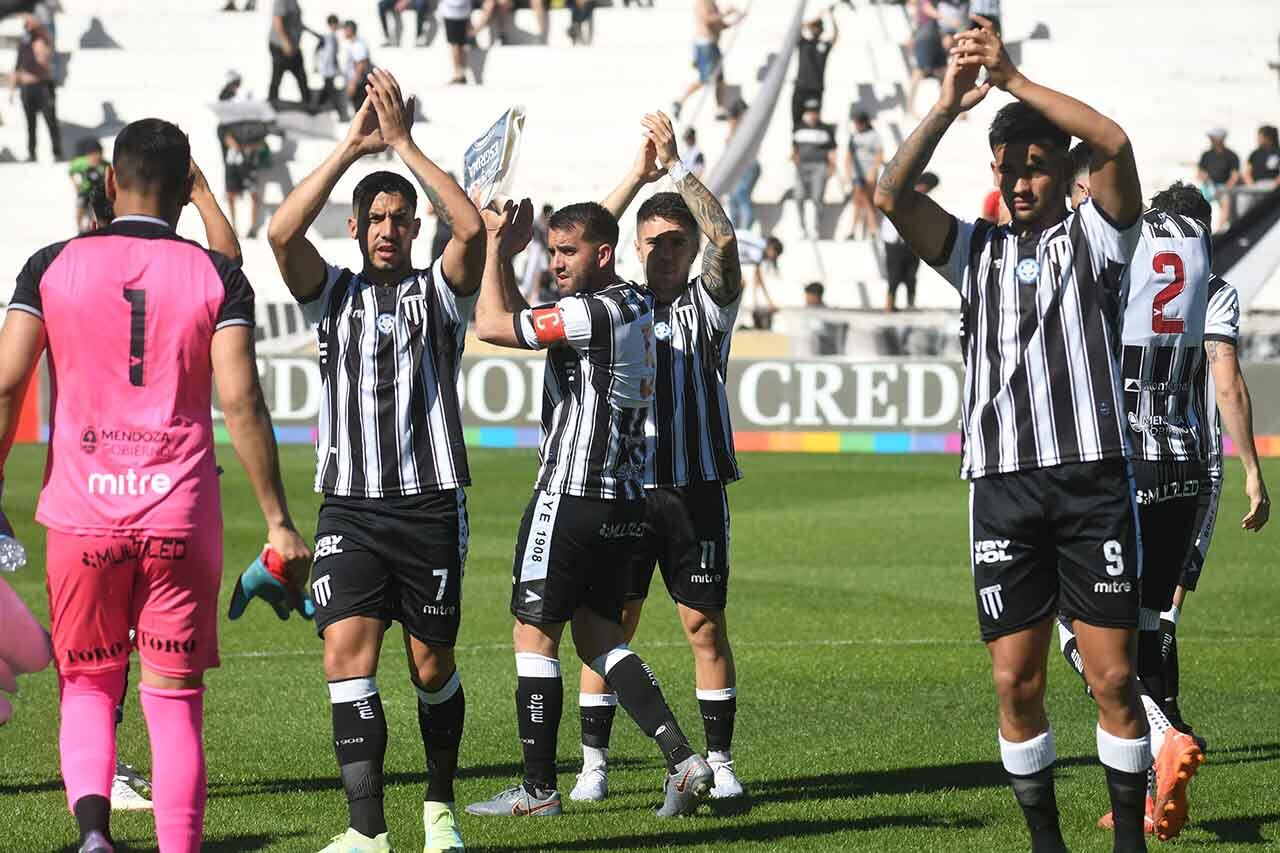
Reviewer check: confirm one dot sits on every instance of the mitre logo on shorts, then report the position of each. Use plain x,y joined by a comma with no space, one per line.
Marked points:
320,591
439,609
327,546
986,551
130,483
1113,587
706,578
992,600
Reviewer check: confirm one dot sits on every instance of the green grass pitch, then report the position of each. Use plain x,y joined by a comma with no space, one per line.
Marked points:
866,716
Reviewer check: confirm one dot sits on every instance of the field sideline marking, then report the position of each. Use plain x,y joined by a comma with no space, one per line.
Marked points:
767,644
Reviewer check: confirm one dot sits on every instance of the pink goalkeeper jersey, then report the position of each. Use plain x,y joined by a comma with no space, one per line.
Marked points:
129,312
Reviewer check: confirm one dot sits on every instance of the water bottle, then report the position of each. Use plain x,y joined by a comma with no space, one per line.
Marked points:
12,555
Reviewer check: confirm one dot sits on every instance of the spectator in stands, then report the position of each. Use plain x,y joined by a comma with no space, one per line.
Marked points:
926,49
390,13
953,17
231,89
328,69
32,78
989,9
742,212
249,5
1218,174
693,159
286,52
1263,166
46,12
359,65
708,23
863,158
813,151
766,264
244,162
88,173
900,263
456,15
812,52
582,21
813,292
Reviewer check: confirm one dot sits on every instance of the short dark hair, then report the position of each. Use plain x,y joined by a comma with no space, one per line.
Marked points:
597,223
816,288
861,117
1185,200
775,243
671,207
350,25
1269,131
1081,157
88,146
1019,122
382,182
332,20
155,155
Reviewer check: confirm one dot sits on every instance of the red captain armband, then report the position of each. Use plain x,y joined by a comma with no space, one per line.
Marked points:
548,325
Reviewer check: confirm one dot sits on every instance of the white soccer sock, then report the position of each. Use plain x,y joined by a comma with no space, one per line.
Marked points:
1128,755
1158,722
594,758
1172,614
1029,756
715,756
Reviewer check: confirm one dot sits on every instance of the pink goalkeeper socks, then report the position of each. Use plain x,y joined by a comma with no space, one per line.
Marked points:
178,790
87,740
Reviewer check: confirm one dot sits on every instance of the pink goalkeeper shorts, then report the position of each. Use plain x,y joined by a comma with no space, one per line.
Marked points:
163,587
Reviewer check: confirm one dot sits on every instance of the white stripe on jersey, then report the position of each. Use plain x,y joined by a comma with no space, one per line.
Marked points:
1222,323
1164,336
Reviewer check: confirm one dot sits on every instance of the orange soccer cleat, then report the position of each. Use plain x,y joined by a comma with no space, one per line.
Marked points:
1179,759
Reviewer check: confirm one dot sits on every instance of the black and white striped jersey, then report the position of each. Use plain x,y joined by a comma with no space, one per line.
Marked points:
597,389
1168,285
1221,324
390,356
689,436
1041,318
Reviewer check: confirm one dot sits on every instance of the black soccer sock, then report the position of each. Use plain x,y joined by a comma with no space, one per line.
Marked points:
360,745
1169,652
441,714
1150,658
1029,765
718,707
1128,807
1071,651
539,704
1039,804
93,813
639,694
597,711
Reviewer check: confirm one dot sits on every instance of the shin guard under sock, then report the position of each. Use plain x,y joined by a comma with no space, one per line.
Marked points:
360,746
441,714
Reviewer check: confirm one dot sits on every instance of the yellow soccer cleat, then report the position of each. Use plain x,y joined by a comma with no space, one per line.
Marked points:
441,826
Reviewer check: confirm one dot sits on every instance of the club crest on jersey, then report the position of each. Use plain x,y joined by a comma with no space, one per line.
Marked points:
1028,270
662,331
386,323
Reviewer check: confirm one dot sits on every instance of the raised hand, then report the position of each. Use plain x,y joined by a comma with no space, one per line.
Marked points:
659,131
395,115
982,47
646,170
199,186
510,227
960,90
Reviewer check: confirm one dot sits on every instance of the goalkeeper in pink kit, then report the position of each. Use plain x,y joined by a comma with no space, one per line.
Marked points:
139,325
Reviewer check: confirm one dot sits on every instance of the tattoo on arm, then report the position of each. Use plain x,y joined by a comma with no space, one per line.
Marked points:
907,165
438,205
721,270
1211,351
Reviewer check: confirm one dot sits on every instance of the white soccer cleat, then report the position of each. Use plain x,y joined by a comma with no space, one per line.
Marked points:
592,785
127,789
726,786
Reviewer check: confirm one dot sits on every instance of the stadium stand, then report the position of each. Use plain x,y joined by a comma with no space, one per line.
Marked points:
584,105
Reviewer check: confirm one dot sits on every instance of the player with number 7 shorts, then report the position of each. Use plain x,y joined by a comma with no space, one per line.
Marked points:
137,322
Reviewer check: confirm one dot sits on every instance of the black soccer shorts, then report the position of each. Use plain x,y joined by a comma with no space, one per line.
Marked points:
1168,500
398,559
1049,540
571,552
686,533
1206,517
